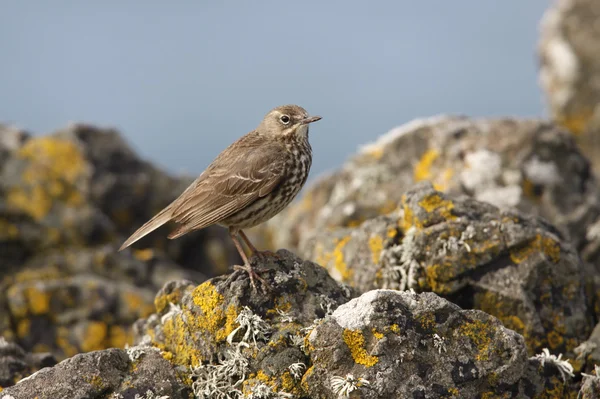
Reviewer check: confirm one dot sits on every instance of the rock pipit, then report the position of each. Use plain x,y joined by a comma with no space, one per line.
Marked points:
251,181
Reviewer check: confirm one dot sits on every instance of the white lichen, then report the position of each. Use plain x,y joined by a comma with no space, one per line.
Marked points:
150,395
439,343
285,317
343,386
400,267
596,370
221,380
453,244
262,391
564,367
584,349
137,351
255,327
297,370
173,311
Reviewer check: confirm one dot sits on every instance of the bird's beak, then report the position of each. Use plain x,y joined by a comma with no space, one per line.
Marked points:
310,119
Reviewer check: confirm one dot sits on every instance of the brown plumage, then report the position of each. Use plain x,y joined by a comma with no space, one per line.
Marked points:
251,181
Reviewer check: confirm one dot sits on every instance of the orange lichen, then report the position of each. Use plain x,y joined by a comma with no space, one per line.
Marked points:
356,343
38,300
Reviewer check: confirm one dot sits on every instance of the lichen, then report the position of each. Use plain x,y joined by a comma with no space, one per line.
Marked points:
539,245
422,170
95,335
54,167
355,341
376,246
480,334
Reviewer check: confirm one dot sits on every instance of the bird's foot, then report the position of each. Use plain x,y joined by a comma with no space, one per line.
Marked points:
253,274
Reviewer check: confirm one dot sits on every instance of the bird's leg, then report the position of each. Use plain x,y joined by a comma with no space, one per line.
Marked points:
253,248
247,267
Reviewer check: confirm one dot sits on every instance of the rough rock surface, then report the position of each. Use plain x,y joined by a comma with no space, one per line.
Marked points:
570,68
514,267
223,340
110,373
527,164
67,201
250,340
405,345
16,363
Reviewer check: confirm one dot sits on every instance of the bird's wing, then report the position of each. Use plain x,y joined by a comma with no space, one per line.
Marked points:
233,181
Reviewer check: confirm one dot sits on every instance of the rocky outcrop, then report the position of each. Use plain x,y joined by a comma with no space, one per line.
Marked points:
570,69
510,265
308,337
67,201
16,363
529,165
111,373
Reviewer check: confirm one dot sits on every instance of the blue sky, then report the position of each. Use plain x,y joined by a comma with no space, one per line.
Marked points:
184,79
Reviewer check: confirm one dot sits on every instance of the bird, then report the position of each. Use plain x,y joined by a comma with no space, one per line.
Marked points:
247,184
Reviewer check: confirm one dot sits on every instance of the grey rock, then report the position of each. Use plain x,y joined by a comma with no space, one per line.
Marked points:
16,363
530,165
510,265
570,70
393,344
110,373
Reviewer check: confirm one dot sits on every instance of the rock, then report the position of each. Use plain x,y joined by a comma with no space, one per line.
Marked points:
393,344
306,338
530,165
570,70
15,363
111,373
239,339
67,202
512,266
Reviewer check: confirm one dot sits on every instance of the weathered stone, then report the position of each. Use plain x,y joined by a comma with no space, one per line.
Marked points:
79,300
16,364
527,164
111,373
570,69
515,267
245,340
67,202
404,345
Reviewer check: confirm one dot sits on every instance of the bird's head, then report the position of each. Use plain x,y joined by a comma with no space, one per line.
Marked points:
287,121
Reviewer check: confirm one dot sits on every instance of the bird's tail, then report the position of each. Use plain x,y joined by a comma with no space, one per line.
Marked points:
161,218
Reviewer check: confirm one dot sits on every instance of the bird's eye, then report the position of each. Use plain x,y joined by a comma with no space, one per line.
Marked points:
284,119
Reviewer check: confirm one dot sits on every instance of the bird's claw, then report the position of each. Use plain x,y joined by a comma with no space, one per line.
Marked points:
253,274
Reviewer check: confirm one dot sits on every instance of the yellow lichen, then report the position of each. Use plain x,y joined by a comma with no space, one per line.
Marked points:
422,170
119,337
338,260
435,203
376,246
576,122
555,340
54,167
95,336
395,328
356,343
480,334
23,328
541,244
377,334
144,254
38,300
